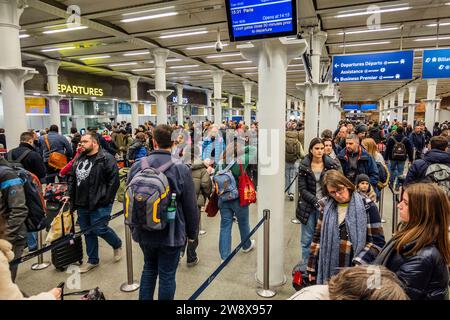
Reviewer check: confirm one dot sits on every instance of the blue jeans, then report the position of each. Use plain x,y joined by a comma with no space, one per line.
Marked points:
289,174
162,262
308,230
396,168
228,209
87,218
32,240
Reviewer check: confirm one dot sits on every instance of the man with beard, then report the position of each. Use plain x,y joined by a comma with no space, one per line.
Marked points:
92,192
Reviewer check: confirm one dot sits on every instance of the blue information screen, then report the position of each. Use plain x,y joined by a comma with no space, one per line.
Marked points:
124,108
436,64
396,65
256,19
366,107
351,107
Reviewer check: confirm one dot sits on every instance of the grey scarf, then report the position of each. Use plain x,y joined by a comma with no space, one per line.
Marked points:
356,223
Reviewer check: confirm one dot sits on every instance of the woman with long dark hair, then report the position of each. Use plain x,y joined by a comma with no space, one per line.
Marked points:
311,172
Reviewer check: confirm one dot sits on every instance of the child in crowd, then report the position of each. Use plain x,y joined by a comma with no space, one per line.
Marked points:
363,186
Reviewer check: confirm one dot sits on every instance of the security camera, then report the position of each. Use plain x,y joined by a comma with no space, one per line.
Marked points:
219,44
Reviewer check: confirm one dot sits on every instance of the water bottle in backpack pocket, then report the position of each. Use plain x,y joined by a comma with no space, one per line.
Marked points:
147,198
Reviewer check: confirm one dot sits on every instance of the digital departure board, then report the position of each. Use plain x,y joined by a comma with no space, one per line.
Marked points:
258,19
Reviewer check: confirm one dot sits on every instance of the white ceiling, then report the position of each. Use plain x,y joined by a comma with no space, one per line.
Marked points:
106,35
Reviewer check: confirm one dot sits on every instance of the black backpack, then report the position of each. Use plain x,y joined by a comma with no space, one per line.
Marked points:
399,150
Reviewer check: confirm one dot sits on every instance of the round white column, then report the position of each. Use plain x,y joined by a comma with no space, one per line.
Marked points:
272,57
53,96
12,74
401,98
393,107
180,114
160,93
217,80
248,102
230,106
288,108
412,89
134,101
209,115
430,104
314,88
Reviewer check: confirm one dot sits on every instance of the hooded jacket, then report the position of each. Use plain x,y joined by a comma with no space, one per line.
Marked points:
419,167
33,161
12,204
398,138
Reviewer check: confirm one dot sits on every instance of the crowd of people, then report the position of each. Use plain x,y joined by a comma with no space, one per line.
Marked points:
340,175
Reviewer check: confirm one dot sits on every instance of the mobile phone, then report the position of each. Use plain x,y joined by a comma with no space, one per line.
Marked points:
61,285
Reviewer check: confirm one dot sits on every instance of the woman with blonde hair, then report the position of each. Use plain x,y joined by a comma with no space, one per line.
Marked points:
348,230
419,254
372,149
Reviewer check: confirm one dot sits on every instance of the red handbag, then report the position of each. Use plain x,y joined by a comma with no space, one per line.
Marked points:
213,205
247,191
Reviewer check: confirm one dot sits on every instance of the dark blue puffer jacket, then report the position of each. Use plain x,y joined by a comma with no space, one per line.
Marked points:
424,275
419,167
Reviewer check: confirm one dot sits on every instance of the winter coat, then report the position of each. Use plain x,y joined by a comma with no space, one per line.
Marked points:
366,164
374,240
307,200
57,142
12,204
134,149
417,171
8,289
33,161
103,181
186,218
417,141
202,182
424,275
390,146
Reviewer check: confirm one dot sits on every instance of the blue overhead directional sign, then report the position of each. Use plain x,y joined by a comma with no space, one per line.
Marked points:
436,64
396,65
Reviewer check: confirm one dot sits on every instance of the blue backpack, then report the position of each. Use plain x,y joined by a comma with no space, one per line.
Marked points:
225,184
147,198
142,152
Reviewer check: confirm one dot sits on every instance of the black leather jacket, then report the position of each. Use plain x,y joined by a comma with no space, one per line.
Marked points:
424,275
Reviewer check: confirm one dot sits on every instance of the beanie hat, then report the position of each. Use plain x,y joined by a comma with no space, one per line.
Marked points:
362,177
361,129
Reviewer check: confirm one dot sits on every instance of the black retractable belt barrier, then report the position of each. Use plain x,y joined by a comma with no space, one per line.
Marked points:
290,184
210,279
64,240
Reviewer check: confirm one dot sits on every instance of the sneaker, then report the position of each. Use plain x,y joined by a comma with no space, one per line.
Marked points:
252,245
291,197
202,232
193,263
87,267
117,254
383,221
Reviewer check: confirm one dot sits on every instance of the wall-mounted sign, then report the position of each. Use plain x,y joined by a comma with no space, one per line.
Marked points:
124,108
175,100
396,65
436,64
36,105
80,90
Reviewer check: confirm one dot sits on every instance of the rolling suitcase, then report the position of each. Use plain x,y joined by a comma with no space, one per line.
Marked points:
69,253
